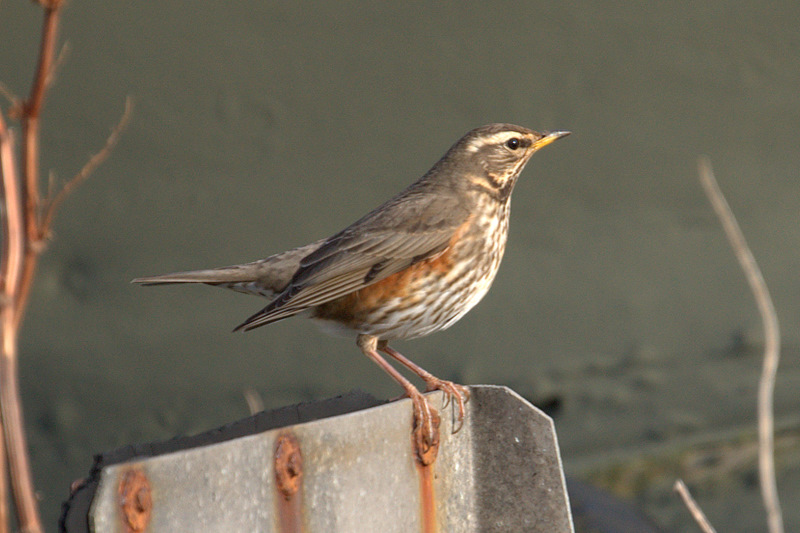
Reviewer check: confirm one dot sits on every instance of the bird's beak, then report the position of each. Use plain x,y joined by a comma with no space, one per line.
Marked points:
549,136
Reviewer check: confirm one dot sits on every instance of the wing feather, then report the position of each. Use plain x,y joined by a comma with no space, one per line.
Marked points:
382,243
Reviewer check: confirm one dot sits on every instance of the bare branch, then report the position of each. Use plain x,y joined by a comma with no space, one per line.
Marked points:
49,34
8,94
95,161
20,196
766,386
13,258
255,403
697,513
25,220
4,511
31,109
13,235
13,247
10,214
60,59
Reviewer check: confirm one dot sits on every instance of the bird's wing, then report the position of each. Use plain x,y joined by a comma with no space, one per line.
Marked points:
388,240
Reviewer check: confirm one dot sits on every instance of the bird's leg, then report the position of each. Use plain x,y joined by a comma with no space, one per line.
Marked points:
452,391
426,419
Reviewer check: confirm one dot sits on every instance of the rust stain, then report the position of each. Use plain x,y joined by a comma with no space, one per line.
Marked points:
135,500
425,454
288,465
427,497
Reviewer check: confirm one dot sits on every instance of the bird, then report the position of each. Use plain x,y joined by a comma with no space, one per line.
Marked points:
410,267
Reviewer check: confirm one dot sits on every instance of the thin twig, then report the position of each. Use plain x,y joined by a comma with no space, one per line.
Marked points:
766,385
32,108
697,513
25,221
255,403
10,213
10,404
8,176
58,62
8,94
22,202
39,86
51,206
4,510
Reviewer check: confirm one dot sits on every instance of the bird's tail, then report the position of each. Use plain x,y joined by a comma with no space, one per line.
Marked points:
248,279
214,275
265,277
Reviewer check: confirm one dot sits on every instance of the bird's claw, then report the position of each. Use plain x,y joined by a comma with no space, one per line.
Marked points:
453,392
426,429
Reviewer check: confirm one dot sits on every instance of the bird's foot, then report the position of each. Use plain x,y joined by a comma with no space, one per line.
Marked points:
453,392
426,419
458,394
426,428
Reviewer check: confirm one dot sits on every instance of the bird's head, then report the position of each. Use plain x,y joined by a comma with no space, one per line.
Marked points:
491,157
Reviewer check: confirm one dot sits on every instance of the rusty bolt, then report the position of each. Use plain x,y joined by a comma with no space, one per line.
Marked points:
135,500
288,465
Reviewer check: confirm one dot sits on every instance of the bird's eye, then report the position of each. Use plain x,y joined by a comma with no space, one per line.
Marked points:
512,143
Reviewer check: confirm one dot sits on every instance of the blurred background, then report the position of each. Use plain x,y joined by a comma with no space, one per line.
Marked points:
260,126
